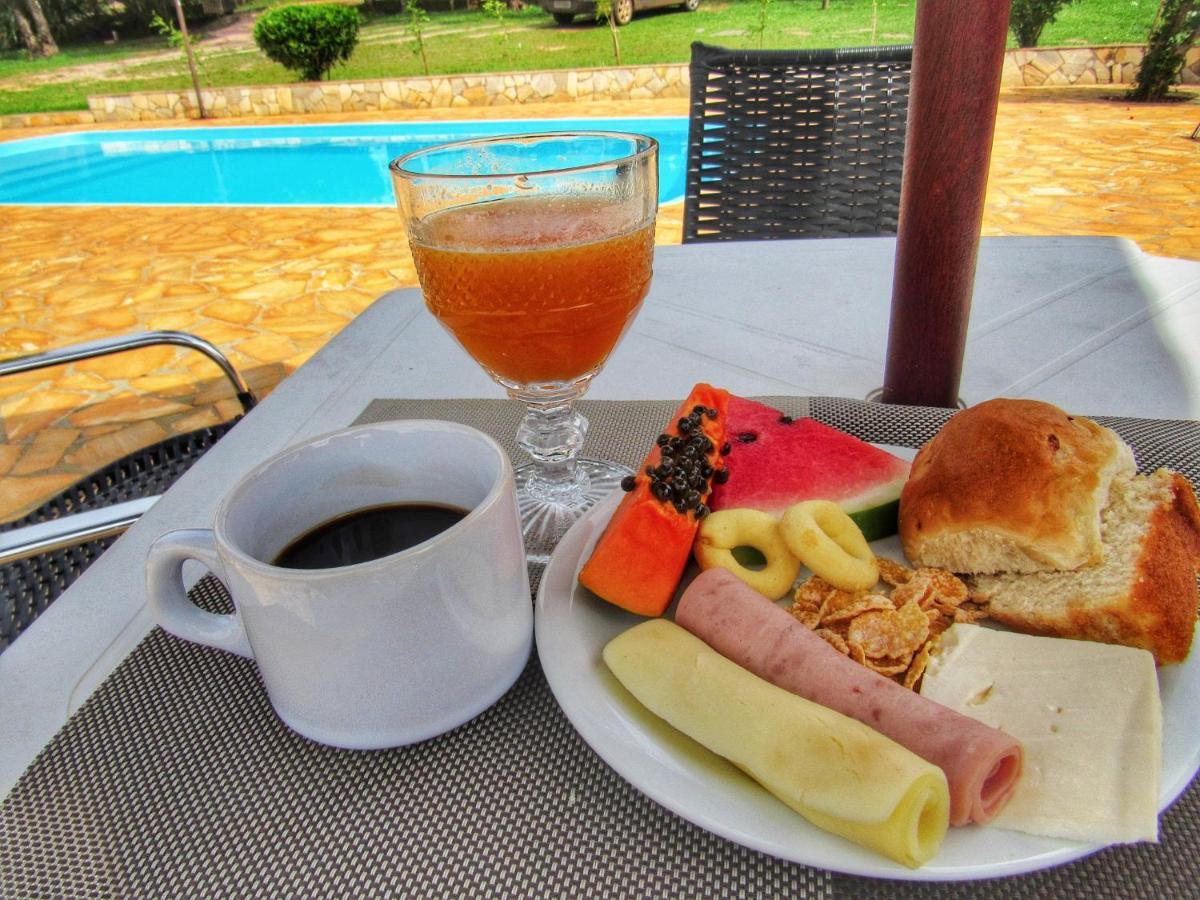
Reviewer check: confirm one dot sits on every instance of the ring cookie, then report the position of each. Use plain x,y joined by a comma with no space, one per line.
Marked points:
825,539
723,531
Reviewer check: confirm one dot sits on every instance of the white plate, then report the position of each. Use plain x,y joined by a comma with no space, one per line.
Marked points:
572,626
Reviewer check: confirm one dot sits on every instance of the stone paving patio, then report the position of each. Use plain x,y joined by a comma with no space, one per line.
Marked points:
271,286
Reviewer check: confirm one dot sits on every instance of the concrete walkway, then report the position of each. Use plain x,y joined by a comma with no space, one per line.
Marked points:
271,286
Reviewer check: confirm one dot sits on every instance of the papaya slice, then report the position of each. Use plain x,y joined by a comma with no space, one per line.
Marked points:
640,558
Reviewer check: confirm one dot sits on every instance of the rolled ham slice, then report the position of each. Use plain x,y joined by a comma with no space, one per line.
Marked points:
982,764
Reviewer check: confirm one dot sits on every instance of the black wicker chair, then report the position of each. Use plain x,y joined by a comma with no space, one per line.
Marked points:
795,143
45,551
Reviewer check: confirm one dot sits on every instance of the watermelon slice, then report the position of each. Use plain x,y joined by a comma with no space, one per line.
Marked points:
775,461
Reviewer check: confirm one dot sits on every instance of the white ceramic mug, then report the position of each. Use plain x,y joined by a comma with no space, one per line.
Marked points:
386,652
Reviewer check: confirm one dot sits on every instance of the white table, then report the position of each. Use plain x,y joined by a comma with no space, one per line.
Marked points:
1091,324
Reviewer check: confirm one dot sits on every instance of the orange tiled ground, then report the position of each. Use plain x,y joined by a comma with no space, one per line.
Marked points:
270,286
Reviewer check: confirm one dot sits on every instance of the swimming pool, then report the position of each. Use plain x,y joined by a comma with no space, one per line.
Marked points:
277,165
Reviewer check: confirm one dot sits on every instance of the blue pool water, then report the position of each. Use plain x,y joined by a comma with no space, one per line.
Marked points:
285,165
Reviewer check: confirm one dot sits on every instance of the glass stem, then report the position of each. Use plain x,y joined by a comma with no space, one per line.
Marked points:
552,434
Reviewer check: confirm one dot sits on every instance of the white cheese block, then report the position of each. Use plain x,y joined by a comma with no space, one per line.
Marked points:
1088,716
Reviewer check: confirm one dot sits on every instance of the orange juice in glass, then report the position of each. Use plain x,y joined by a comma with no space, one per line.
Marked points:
535,252
579,278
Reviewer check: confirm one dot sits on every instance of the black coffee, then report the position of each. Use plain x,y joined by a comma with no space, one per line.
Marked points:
367,534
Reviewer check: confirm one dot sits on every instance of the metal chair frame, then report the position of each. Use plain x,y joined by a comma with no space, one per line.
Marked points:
108,346
43,552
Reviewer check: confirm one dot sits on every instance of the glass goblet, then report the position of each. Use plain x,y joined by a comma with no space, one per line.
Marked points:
535,252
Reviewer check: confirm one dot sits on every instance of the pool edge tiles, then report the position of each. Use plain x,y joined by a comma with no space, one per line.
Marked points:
299,165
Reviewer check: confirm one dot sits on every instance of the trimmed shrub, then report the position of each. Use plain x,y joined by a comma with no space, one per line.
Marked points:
309,40
1029,17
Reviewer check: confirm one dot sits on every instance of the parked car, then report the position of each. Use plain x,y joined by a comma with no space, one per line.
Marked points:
565,11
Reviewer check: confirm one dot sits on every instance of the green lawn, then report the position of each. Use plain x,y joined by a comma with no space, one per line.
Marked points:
1096,22
471,41
14,64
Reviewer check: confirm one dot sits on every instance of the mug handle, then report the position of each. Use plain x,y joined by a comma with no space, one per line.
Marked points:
169,602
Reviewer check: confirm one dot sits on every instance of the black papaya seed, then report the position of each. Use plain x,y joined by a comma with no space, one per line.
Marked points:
628,483
721,476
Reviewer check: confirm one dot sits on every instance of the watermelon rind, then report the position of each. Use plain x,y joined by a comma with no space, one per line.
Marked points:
876,512
877,495
878,522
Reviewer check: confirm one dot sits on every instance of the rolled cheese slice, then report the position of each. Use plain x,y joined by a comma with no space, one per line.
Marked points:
836,772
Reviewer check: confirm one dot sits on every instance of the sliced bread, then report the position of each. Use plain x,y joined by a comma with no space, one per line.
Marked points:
1142,594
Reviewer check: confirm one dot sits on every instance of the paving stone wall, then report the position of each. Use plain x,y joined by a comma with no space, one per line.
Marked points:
1022,68
633,83
1118,64
43,120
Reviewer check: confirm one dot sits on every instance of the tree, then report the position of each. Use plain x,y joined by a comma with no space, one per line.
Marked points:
604,10
496,9
1174,31
1029,17
41,28
183,43
24,29
82,21
417,20
33,27
759,28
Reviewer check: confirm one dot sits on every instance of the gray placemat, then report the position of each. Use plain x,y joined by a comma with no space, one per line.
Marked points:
176,778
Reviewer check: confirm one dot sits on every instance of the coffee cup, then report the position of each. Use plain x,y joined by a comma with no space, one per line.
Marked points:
364,652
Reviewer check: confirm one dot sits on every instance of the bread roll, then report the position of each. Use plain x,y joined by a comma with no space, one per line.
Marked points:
1011,486
1142,594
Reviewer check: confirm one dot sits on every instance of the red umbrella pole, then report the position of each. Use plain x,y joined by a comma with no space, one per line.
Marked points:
958,55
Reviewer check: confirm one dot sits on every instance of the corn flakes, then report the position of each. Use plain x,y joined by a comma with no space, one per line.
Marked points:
891,635
892,572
